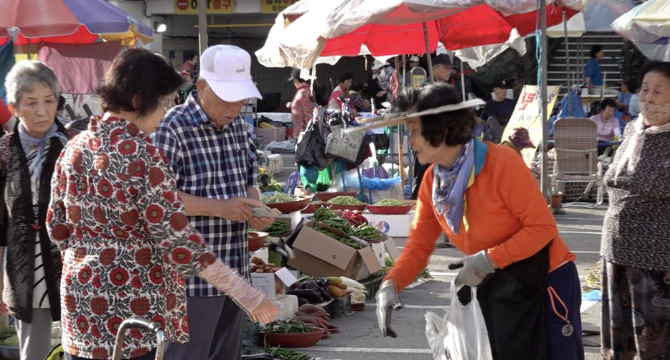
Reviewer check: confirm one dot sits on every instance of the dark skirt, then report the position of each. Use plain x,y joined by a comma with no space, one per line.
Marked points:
635,313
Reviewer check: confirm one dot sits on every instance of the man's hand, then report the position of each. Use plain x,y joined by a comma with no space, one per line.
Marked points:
474,268
260,223
387,299
237,209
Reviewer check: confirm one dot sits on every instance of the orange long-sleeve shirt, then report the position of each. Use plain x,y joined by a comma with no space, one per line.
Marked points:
506,215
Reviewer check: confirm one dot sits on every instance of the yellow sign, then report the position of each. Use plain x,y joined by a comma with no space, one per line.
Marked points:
190,7
527,114
275,6
418,76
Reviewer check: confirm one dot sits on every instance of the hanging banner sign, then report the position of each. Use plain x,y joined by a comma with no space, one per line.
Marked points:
527,114
275,6
190,7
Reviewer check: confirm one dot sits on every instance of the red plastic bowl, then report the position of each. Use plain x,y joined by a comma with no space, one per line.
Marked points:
325,196
389,210
290,340
256,239
299,204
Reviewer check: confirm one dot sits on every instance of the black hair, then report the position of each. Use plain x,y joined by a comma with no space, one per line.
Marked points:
61,103
632,84
661,67
137,80
595,49
452,128
344,77
190,55
607,103
356,87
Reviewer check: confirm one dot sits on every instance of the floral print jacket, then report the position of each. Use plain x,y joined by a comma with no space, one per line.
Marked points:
126,242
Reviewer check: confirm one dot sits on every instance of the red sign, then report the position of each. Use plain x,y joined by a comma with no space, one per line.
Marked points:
182,4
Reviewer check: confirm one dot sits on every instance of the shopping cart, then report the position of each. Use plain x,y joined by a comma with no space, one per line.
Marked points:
142,324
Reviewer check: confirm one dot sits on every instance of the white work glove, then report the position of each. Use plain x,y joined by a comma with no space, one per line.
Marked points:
387,299
252,300
474,269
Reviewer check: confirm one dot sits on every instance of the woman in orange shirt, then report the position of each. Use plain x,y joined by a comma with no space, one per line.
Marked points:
488,203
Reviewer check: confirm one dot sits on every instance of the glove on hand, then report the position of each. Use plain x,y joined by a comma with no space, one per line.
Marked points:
387,299
252,300
474,269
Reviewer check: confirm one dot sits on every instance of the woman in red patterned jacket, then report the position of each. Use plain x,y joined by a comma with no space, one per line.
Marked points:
302,105
115,215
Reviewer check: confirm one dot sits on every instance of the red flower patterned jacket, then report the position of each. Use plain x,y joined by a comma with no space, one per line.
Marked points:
126,243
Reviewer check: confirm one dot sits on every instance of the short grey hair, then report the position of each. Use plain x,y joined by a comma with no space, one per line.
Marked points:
24,75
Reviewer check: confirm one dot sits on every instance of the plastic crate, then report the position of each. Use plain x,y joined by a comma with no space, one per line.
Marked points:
372,284
339,307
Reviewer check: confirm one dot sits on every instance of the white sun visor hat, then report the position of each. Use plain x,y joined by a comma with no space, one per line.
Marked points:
227,70
378,65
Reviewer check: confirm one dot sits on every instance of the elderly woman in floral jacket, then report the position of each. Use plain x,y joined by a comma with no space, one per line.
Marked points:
27,157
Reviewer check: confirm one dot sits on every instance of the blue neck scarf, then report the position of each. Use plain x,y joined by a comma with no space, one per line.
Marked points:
29,143
449,187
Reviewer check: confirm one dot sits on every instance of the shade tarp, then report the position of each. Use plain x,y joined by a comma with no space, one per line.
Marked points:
68,22
647,23
396,26
79,68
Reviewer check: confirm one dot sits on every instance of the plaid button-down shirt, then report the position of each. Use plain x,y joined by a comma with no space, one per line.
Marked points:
212,164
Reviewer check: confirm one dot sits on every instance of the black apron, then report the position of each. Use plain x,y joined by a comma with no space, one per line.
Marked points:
512,302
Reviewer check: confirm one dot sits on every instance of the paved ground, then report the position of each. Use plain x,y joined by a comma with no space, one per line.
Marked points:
359,337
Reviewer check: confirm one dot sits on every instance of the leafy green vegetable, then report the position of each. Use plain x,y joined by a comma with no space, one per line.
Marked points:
367,232
276,198
389,202
288,326
345,200
277,228
324,213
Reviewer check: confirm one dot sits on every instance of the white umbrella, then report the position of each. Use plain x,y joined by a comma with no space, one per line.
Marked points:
648,27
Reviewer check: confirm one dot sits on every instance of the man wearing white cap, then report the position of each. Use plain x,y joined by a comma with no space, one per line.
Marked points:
413,63
214,161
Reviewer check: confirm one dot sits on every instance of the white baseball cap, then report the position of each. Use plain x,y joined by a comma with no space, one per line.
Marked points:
226,68
414,59
378,65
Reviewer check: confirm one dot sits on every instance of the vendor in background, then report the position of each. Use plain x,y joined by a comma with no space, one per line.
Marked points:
443,68
414,62
341,91
593,76
628,88
490,206
376,81
519,140
357,100
500,106
302,106
606,124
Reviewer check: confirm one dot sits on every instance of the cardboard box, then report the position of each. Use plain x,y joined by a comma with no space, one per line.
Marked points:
272,284
391,225
386,246
320,255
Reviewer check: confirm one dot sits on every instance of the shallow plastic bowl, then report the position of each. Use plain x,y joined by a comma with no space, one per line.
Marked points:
389,210
256,239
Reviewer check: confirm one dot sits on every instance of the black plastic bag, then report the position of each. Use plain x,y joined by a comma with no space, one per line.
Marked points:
311,148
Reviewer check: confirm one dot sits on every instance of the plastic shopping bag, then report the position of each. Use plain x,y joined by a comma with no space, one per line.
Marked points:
461,334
